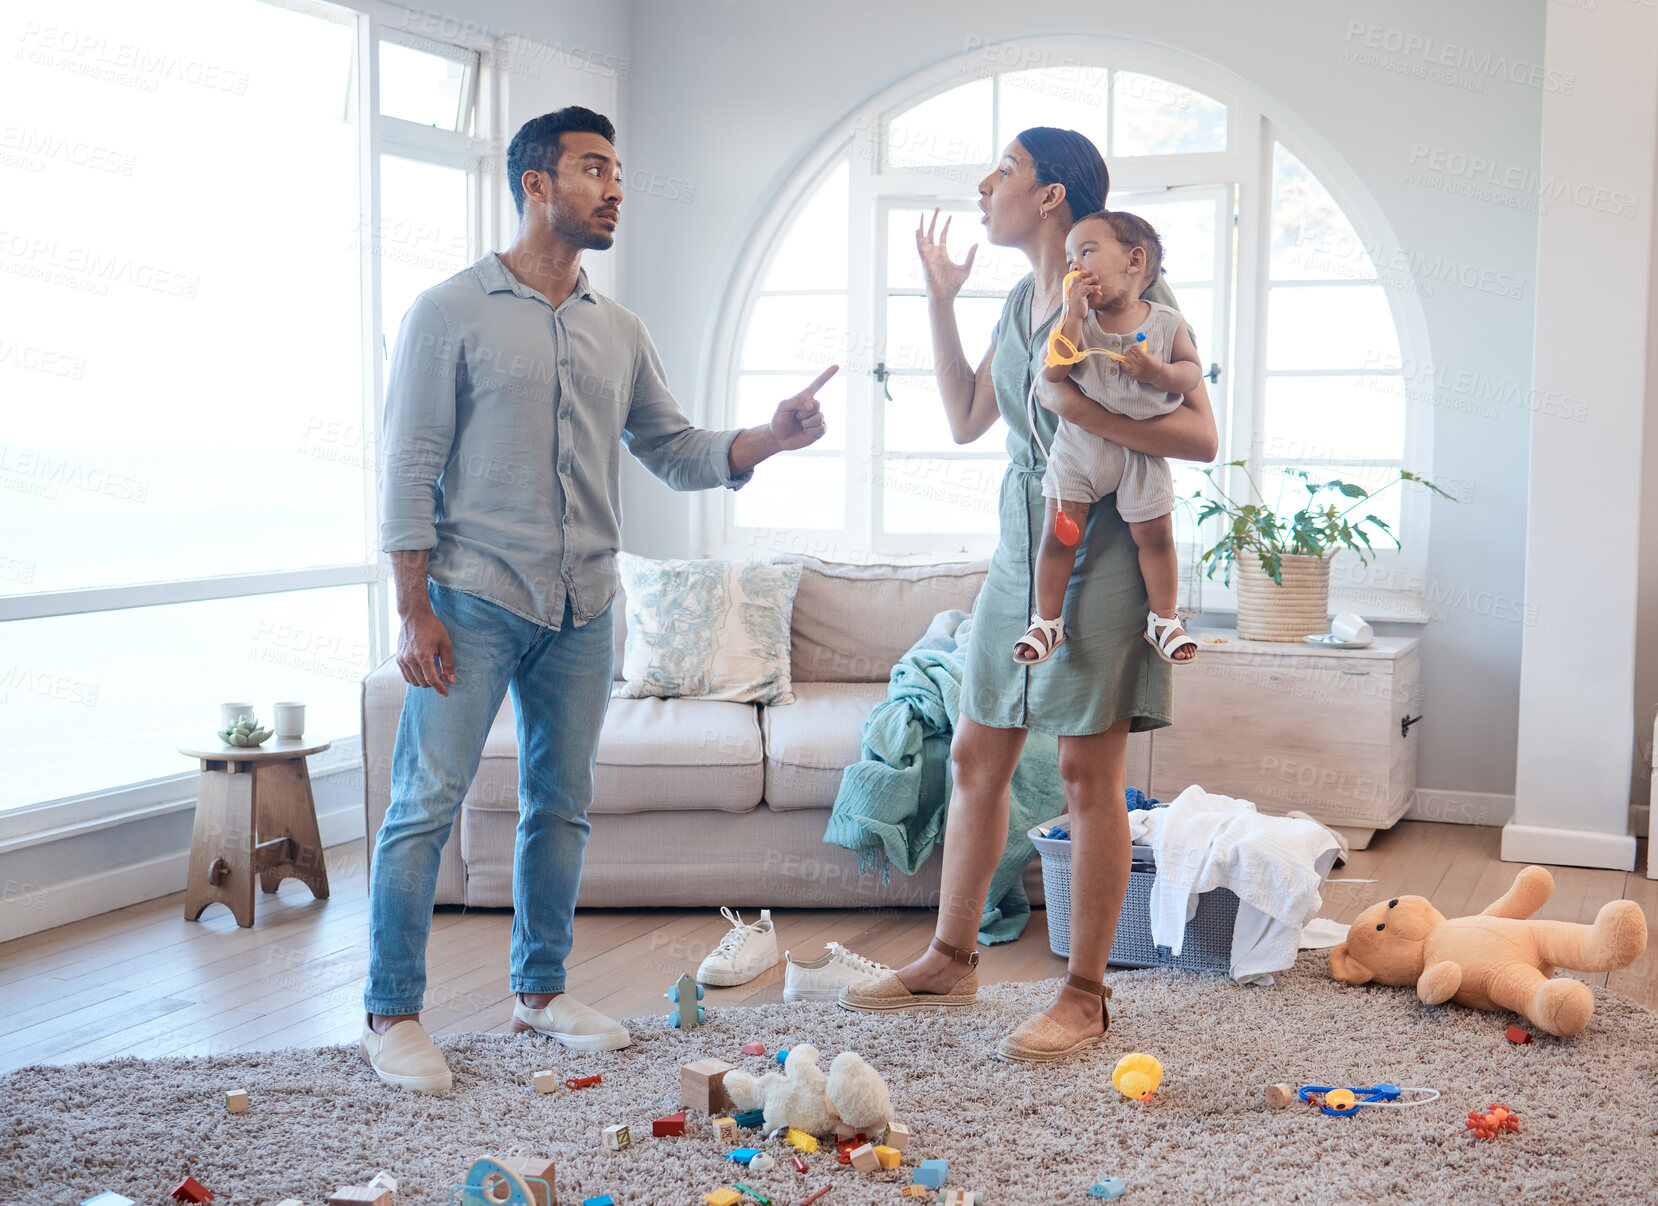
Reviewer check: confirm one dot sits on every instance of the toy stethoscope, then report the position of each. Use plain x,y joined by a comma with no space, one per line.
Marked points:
1349,1101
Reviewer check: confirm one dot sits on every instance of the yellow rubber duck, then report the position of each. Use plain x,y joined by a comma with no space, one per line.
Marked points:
1137,1075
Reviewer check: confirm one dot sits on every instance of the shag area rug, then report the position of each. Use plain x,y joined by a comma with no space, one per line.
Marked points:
1587,1107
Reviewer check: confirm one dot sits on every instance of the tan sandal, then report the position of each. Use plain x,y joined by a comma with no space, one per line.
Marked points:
1041,1040
889,992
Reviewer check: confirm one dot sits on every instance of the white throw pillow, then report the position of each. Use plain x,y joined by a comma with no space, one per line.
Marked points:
708,629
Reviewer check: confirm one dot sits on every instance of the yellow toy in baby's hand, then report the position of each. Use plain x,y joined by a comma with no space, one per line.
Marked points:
1061,350
1137,1075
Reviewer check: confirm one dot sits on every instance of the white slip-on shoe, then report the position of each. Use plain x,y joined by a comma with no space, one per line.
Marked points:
823,978
745,952
406,1058
566,1020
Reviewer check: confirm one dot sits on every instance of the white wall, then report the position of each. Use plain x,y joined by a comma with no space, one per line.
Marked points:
728,95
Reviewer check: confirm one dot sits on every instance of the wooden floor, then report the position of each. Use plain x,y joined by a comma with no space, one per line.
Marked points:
143,981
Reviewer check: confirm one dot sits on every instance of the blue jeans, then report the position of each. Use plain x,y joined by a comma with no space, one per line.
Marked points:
560,682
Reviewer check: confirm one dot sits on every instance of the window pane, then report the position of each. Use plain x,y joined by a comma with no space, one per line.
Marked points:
1152,116
758,396
798,492
915,421
950,130
909,343
1357,418
1288,494
423,233
1071,98
90,702
935,495
801,333
1311,238
419,86
197,406
995,269
1330,326
1186,229
813,254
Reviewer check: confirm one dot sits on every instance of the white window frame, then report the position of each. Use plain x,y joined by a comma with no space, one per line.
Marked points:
1255,120
482,93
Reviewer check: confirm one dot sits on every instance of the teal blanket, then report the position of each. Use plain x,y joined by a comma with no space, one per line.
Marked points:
892,803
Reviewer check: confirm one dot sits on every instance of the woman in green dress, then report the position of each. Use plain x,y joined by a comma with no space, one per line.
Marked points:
1106,680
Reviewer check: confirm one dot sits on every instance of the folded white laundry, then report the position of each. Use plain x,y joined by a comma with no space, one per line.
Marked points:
1275,866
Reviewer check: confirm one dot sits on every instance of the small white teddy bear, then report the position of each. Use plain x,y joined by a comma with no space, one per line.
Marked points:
852,1095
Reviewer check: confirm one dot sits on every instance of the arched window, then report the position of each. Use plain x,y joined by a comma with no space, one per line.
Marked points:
1302,335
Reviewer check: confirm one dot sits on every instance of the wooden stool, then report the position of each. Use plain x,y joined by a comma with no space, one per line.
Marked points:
254,816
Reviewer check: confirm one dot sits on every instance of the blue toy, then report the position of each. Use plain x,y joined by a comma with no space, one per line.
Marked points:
742,1155
932,1173
782,1057
750,1118
490,1178
604,1199
1350,1101
1111,1187
681,994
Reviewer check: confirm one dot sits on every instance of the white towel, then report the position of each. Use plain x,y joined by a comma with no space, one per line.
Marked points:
1275,866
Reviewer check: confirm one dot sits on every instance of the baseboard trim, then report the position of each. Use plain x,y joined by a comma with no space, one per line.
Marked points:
44,907
1568,847
1460,807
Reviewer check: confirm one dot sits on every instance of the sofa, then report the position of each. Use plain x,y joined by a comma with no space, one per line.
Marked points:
702,802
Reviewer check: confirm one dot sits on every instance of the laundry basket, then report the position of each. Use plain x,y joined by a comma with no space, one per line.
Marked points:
1208,942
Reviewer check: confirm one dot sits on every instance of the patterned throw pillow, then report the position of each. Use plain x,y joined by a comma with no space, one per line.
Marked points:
708,629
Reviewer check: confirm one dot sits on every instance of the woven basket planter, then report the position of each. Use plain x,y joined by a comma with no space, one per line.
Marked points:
1270,612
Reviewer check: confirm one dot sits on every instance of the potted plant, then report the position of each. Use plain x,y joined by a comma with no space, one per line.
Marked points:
1284,564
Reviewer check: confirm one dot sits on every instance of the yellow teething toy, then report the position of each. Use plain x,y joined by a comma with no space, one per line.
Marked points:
1137,1075
1061,350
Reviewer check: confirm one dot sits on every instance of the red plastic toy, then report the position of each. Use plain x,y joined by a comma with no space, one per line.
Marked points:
1492,1123
582,1082
754,1048
800,1163
191,1190
1515,1035
673,1124
1065,528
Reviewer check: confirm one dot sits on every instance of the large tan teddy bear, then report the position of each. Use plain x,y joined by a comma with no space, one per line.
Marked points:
1497,960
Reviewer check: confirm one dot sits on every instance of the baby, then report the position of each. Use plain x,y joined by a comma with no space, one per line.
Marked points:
1135,358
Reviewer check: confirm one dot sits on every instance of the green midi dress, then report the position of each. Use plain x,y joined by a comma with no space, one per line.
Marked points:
1106,670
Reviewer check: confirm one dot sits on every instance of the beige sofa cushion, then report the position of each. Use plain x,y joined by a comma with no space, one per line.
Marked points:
655,755
852,622
809,742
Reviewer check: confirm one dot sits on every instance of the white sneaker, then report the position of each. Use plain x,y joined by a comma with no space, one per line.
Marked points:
566,1020
745,952
823,978
406,1058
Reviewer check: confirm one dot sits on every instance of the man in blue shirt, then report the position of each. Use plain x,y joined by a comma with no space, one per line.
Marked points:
513,388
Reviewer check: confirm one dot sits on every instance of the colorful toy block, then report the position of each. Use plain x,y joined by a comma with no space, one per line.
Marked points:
683,993
726,1129
702,1086
604,1199
957,1197
236,1101
616,1137
932,1172
673,1124
537,1173
1111,1187
754,1048
915,1191
800,1139
1517,1036
191,1190
755,1194
1279,1096
722,1197
742,1155
545,1081
108,1198
582,1082
898,1135
888,1156
863,1158
751,1118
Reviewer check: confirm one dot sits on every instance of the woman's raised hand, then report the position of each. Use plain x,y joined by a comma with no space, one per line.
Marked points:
944,276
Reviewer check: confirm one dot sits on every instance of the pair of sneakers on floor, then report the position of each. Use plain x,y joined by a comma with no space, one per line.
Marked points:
750,949
405,1056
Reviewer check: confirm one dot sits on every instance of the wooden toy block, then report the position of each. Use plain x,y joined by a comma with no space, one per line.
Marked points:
616,1137
888,1156
191,1190
582,1082
801,1139
360,1195
685,993
702,1086
957,1197
898,1135
754,1048
1279,1096
726,1129
383,1180
932,1172
673,1124
863,1158
534,1170
722,1197
545,1081
236,1101
915,1191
